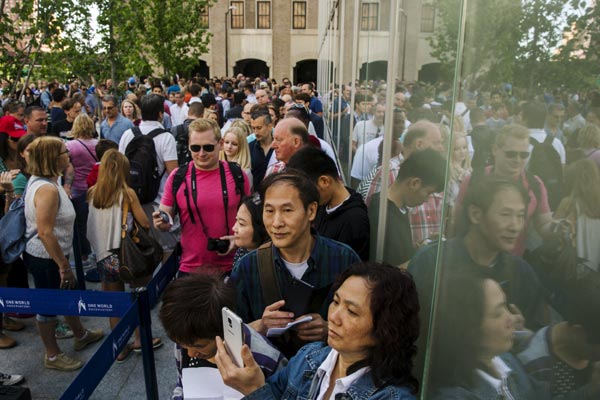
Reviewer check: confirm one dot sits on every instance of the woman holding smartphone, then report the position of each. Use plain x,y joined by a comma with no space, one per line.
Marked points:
106,201
373,325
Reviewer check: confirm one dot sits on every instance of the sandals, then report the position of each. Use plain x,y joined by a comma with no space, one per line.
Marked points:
156,343
124,355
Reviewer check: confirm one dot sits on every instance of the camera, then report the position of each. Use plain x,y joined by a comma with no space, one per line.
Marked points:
230,323
218,245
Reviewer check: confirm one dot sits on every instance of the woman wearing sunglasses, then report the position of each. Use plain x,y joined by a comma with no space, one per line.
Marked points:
510,153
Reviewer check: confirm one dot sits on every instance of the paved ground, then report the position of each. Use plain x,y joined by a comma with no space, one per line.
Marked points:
123,381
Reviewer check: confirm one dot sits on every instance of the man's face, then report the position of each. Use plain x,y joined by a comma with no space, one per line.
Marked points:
246,112
364,107
157,91
74,111
284,215
109,109
19,114
503,222
306,89
399,100
284,91
261,97
179,99
379,115
417,193
556,117
205,159
284,144
510,158
201,348
261,129
37,123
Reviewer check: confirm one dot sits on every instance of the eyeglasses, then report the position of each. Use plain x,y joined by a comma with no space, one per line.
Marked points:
108,108
208,148
64,152
514,154
14,139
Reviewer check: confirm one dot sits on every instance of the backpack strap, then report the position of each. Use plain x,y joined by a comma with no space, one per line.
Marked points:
266,272
177,182
238,177
155,132
549,139
136,131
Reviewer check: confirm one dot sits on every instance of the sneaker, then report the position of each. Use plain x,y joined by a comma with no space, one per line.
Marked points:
10,324
62,362
9,380
92,275
88,338
62,331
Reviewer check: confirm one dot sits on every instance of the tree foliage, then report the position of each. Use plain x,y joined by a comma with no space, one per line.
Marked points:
520,41
127,37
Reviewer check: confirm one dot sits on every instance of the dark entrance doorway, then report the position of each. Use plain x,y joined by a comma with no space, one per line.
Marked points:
373,70
201,69
251,68
305,71
430,72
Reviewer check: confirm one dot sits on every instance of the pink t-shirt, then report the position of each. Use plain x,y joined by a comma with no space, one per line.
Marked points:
83,161
210,203
539,206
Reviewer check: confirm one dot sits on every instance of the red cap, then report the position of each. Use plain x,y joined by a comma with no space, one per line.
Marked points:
12,126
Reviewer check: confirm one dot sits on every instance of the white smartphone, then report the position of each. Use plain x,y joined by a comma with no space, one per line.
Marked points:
233,335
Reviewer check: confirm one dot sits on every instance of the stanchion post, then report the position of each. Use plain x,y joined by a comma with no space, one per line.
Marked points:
146,343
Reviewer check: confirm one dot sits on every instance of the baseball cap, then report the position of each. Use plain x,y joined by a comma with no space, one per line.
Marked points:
132,81
12,126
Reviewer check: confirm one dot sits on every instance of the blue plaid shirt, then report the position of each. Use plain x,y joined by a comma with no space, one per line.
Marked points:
327,259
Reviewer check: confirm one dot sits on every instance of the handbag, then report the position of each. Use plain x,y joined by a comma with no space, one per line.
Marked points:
140,253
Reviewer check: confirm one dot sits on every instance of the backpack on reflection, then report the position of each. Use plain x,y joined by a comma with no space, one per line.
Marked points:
144,177
13,226
545,163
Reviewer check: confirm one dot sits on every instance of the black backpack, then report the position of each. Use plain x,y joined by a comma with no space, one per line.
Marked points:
181,139
144,177
545,163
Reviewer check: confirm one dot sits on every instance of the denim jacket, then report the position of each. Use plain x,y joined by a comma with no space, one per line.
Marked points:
299,380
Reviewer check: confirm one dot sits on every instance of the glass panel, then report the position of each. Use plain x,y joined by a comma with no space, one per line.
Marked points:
204,17
427,18
237,15
299,15
369,20
263,15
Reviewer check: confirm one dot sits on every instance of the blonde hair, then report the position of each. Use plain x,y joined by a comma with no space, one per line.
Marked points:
583,177
83,127
203,125
589,137
44,153
240,123
458,171
243,155
514,131
112,180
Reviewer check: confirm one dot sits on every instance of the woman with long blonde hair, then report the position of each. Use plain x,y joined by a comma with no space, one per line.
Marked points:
106,199
582,209
236,149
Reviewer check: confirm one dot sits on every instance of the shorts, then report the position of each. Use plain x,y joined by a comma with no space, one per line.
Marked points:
45,273
108,269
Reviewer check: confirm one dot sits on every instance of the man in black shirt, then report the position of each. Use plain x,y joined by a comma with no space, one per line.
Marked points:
420,175
260,149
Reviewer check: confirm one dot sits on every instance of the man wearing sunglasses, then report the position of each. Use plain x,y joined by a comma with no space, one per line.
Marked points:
114,124
206,198
510,153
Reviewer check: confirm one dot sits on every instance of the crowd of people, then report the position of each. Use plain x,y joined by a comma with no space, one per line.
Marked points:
490,235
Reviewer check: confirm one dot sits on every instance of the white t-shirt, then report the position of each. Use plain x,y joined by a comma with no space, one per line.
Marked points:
365,159
166,149
296,269
365,131
178,114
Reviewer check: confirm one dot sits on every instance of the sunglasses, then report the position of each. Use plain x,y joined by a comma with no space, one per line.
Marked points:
208,148
14,139
514,154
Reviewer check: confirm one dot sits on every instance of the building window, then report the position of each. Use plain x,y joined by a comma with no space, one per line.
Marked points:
204,17
237,15
427,18
369,18
299,15
263,15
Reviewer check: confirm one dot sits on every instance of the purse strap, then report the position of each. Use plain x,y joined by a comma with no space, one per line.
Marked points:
125,206
266,272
